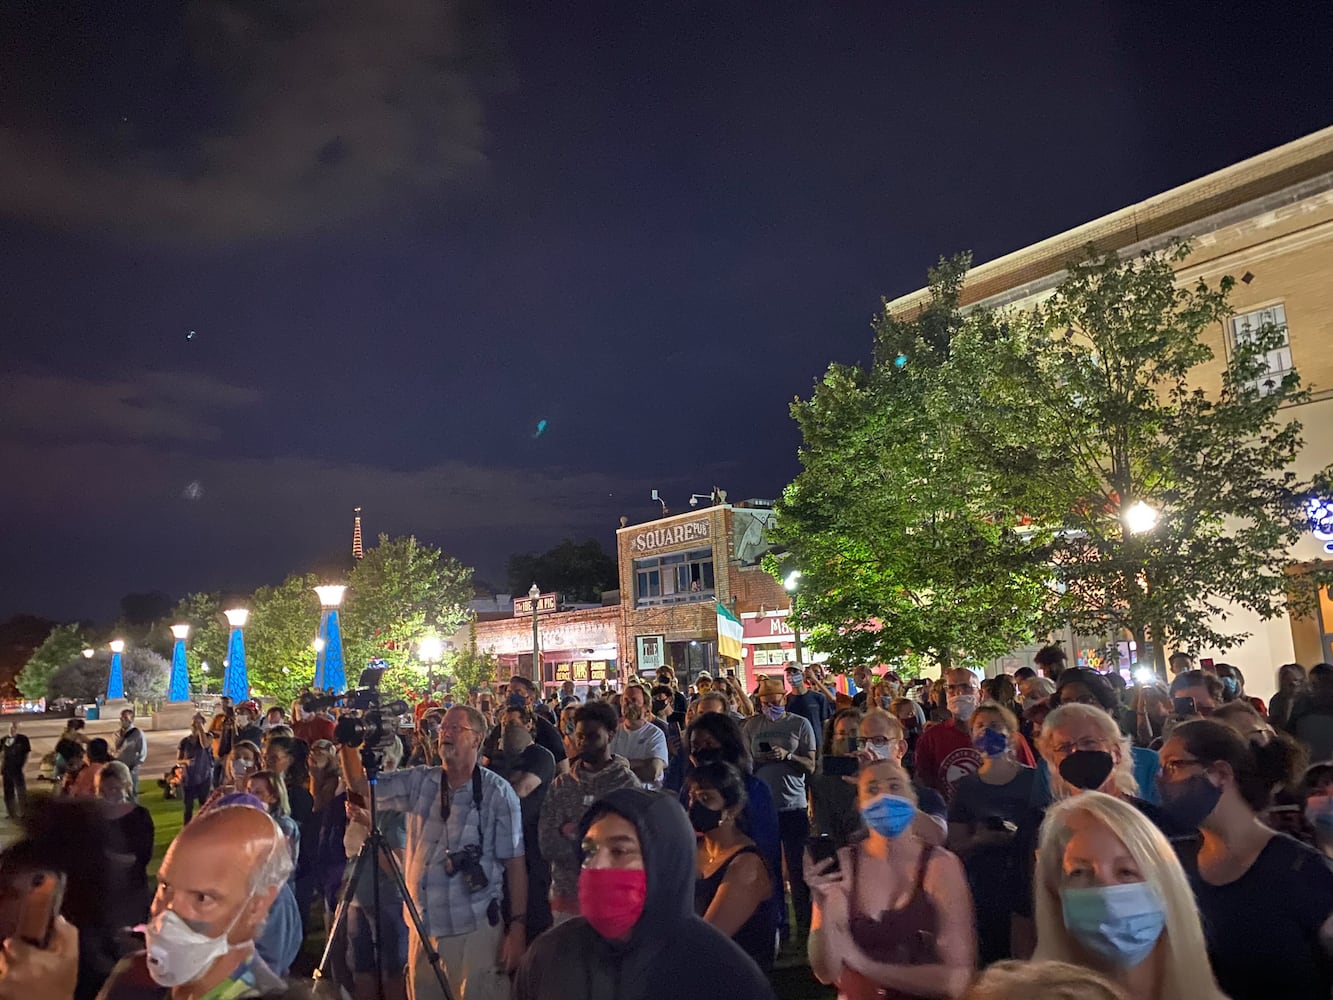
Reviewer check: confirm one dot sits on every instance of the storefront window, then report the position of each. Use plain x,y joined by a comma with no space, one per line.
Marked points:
675,578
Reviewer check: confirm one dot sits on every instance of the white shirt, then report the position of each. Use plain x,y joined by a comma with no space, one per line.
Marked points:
640,744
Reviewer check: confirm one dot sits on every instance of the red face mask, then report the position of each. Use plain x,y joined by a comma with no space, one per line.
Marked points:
612,899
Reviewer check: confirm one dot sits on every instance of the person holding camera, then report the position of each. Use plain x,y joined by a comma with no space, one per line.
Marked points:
464,839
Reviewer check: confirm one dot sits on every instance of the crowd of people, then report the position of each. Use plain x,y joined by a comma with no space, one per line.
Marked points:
1055,832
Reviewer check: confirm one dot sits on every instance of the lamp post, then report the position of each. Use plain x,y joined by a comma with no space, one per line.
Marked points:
204,667
89,652
235,679
790,585
1139,518
179,689
115,682
535,593
329,670
430,649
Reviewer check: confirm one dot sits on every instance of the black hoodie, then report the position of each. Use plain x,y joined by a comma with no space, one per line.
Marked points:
671,953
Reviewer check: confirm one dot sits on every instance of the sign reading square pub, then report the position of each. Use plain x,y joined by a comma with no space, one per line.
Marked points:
671,534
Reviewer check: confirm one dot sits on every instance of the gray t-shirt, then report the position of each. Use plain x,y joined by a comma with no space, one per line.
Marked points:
785,779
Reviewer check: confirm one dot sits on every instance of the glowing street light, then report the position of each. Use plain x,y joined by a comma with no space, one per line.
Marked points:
1141,517
115,681
329,670
792,582
235,679
430,649
535,592
790,585
179,688
89,652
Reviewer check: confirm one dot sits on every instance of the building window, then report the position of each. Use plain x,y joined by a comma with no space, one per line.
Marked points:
1246,328
674,579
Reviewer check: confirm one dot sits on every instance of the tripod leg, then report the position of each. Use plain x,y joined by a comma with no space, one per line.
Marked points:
432,955
325,968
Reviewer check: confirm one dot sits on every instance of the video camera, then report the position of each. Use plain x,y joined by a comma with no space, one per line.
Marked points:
367,722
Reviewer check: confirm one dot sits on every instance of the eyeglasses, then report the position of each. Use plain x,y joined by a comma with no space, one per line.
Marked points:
1171,768
452,728
1090,743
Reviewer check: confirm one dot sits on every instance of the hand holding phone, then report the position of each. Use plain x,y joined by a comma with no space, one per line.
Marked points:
1183,707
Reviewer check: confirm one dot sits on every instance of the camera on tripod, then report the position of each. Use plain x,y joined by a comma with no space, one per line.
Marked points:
467,863
374,726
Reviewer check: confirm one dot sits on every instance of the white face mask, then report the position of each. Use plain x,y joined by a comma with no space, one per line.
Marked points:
962,706
177,953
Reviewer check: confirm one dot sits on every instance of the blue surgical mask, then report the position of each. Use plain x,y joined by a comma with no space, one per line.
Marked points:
1231,686
991,742
889,815
1121,923
775,712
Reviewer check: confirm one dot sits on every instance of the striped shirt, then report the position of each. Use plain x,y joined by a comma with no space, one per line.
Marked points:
447,908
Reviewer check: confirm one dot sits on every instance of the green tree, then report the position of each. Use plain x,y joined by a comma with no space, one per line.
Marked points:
579,570
904,534
63,645
144,672
1119,417
208,637
399,593
471,668
279,638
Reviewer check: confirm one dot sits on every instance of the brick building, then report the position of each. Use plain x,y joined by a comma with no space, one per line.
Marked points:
581,645
673,572
1268,222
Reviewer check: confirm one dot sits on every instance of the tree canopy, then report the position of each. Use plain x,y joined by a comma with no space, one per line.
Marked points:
64,644
967,488
579,570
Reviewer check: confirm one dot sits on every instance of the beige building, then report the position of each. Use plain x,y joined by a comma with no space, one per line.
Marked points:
1268,222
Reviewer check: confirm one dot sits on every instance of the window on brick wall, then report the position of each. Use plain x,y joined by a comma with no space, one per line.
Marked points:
676,578
1245,328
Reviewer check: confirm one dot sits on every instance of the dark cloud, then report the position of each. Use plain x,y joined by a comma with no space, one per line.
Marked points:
152,406
244,119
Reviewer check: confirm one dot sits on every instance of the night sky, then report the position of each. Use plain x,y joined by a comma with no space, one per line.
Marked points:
405,232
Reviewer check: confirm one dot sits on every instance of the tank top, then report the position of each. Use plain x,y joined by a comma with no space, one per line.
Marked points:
906,936
756,935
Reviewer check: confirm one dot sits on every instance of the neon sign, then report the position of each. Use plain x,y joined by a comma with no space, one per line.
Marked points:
1320,512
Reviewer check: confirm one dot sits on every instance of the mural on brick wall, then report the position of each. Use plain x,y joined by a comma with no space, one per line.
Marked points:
749,533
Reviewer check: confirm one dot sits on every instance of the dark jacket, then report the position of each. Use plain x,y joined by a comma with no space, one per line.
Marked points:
671,953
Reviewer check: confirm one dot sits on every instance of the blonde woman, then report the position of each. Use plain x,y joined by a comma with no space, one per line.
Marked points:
1111,896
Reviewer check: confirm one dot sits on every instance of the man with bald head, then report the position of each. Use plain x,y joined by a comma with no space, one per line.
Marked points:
214,889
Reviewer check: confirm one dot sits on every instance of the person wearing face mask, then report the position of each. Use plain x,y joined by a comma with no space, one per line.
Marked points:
1111,896
1265,898
215,887
1317,789
131,748
984,815
1087,687
782,746
881,737
832,788
733,889
638,937
521,693
814,701
640,742
862,677
530,769
945,752
595,771
248,729
892,917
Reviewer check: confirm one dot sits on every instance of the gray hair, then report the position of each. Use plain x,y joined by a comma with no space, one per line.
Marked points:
119,772
1125,782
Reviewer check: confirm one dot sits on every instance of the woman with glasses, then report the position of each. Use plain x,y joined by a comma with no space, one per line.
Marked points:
984,814
1111,896
1265,898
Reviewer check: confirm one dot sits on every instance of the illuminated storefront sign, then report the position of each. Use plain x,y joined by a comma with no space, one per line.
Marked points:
671,534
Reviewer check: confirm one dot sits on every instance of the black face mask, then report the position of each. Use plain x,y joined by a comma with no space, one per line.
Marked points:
659,706
711,755
704,819
1087,769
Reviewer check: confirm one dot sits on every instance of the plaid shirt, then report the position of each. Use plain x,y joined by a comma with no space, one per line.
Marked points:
447,908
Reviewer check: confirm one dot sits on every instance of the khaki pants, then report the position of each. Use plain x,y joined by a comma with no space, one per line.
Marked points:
470,961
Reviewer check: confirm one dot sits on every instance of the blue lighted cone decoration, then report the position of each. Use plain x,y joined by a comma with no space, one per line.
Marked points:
236,683
115,682
329,671
179,689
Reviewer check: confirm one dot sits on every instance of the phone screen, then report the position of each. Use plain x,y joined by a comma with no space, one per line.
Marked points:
821,849
1184,706
765,747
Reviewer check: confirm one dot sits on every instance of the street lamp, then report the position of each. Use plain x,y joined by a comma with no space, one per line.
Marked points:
115,681
790,584
179,688
1141,517
89,652
235,680
534,592
329,670
430,649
